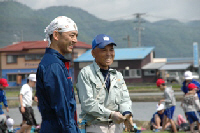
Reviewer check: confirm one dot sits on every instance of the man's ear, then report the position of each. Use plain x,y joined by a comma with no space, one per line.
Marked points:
93,53
55,35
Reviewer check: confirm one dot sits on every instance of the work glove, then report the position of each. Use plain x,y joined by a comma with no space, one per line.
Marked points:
117,117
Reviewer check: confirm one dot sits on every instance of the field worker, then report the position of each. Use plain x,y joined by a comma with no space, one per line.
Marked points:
54,88
191,105
189,79
102,91
25,98
3,85
170,103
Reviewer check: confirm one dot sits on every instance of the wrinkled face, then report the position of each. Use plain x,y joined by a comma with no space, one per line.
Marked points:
66,41
104,57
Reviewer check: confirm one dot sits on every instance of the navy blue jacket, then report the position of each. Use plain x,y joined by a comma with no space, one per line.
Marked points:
56,98
3,97
184,88
160,115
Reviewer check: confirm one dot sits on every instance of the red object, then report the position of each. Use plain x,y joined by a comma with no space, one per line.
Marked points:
192,86
26,45
4,82
75,113
159,82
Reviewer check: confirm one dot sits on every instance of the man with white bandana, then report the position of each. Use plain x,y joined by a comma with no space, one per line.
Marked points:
54,88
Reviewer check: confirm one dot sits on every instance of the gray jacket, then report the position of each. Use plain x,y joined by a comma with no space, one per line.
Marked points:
170,99
98,108
191,103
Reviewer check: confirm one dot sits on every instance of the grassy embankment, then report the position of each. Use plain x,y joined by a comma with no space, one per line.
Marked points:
146,88
140,88
14,102
152,88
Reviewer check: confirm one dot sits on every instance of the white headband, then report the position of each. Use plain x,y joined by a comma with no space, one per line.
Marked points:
63,23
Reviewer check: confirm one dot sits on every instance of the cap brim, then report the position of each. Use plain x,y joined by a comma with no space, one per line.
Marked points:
159,109
102,45
193,89
188,77
5,85
32,79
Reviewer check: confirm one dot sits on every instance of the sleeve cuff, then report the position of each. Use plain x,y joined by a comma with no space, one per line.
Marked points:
126,112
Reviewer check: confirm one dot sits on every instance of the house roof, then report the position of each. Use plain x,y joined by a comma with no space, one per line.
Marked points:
171,60
25,45
153,65
182,66
120,54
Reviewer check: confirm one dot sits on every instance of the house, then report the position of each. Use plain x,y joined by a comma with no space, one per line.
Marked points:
128,61
20,59
170,69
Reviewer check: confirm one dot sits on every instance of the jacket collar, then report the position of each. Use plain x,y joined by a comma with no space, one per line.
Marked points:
56,53
97,68
192,81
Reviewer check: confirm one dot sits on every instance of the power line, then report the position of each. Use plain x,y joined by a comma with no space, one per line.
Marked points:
165,18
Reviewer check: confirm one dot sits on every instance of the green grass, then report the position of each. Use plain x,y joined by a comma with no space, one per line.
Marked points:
151,87
13,93
174,86
138,88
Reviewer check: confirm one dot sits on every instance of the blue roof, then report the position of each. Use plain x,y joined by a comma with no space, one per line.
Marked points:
120,54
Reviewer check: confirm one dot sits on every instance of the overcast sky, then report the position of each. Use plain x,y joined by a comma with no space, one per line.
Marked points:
183,10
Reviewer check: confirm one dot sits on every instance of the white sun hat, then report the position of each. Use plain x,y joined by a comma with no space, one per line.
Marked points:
32,77
188,75
160,107
10,123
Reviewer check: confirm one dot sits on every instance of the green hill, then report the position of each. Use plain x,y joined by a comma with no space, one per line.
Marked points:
171,37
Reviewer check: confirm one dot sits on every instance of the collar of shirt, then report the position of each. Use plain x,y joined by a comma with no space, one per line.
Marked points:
55,52
192,81
97,68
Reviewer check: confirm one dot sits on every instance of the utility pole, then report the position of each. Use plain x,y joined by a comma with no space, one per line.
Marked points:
128,39
22,35
139,28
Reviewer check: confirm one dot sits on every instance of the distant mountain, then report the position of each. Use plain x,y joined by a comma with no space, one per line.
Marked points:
171,38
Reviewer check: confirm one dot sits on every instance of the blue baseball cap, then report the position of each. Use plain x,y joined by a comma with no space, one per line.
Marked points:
101,41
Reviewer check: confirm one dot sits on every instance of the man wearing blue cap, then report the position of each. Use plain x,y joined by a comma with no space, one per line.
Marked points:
102,91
